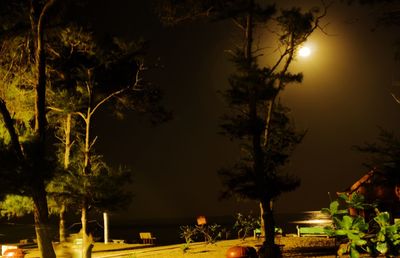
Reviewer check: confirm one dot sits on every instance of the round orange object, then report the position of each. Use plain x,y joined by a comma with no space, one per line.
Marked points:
241,252
14,253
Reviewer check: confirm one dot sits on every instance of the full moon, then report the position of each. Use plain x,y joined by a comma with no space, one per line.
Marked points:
304,51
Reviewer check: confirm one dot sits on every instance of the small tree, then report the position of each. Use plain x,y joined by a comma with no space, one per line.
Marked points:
246,224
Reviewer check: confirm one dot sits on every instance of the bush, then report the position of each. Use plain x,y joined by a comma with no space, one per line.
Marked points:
210,234
376,236
246,224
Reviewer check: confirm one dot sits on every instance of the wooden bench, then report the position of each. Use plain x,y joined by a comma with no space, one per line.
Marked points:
257,233
311,231
147,238
118,241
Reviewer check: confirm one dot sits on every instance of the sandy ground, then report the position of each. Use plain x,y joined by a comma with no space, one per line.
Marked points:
291,246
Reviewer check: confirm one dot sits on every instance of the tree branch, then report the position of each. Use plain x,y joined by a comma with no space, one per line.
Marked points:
93,142
395,98
9,123
138,79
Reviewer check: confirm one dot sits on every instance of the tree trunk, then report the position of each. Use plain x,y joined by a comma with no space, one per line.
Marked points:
270,109
87,244
87,167
256,138
67,151
262,224
269,249
84,229
68,144
38,187
41,220
61,226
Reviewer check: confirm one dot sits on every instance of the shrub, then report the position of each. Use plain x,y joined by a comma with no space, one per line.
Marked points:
246,224
376,236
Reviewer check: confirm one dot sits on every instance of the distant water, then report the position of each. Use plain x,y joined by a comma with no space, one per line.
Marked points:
167,231
13,232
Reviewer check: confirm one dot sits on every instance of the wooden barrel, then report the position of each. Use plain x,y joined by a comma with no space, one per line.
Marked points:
14,253
241,252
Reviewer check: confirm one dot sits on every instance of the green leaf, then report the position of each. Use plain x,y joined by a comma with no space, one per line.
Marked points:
382,218
382,247
344,197
347,222
360,242
326,211
359,223
330,231
341,232
334,207
353,235
354,253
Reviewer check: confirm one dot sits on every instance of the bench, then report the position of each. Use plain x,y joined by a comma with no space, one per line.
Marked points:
257,232
118,241
147,238
311,231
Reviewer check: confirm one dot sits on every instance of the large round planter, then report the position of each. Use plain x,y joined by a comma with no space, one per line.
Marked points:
14,253
241,252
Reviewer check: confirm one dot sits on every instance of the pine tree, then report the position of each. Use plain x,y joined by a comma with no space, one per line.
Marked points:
259,122
256,119
31,70
89,76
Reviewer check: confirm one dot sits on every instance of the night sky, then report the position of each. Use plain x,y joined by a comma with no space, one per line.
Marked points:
343,99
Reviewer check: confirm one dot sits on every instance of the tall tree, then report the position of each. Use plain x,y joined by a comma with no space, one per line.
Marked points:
34,161
28,68
253,94
90,76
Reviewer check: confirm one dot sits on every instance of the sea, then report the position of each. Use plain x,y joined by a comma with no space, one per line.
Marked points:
166,231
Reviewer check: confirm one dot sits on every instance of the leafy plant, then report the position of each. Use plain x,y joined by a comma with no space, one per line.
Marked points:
187,233
387,239
377,236
210,233
246,224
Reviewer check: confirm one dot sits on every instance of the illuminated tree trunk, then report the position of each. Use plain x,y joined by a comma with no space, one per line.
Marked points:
61,224
262,224
86,240
67,153
41,220
68,144
38,187
86,244
269,249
